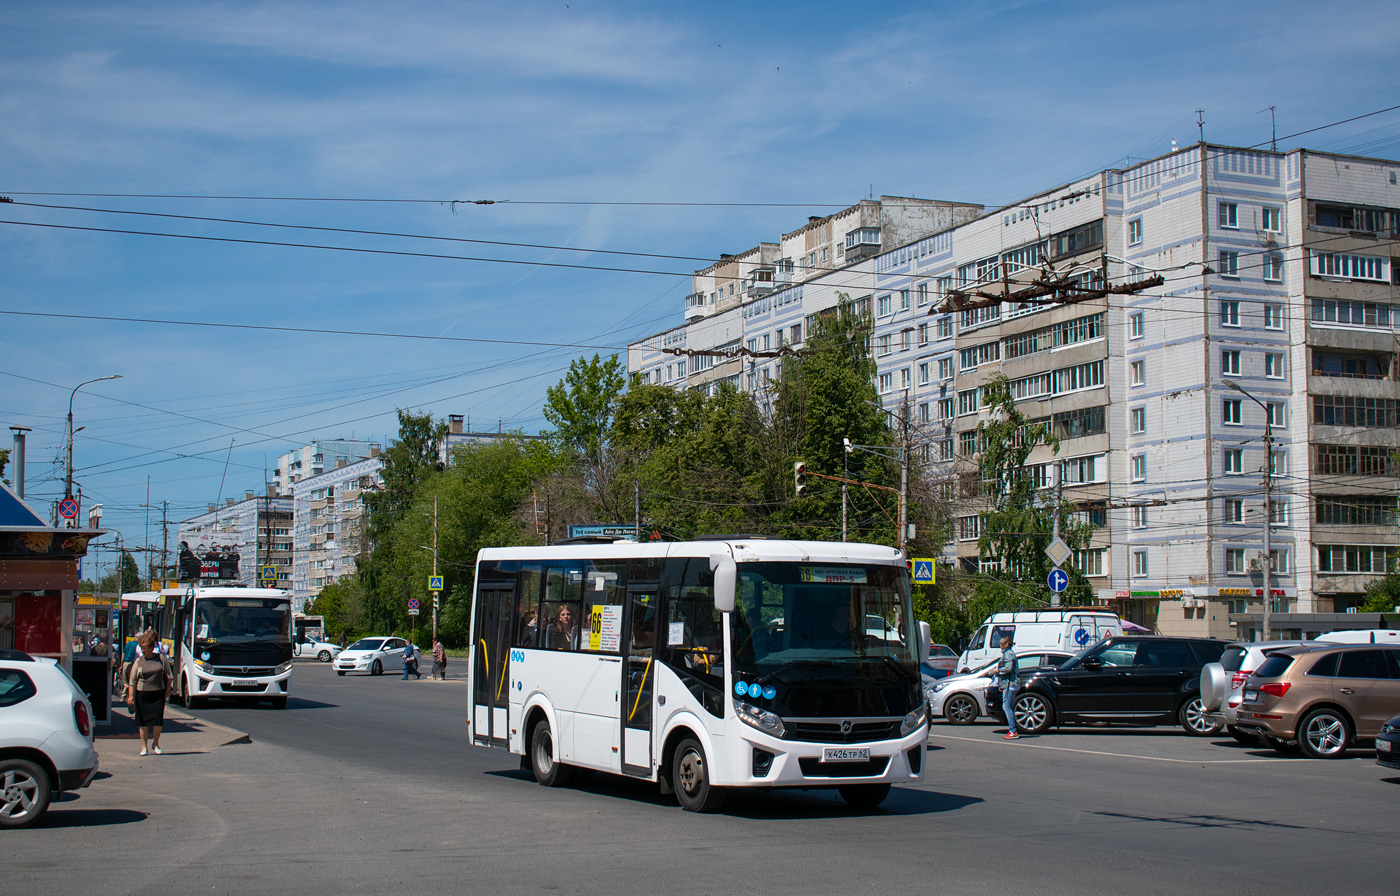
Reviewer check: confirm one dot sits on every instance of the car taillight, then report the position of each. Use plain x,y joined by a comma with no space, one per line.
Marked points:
1275,688
1238,679
80,715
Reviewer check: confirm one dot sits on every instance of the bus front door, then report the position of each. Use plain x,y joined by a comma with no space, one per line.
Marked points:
490,724
639,675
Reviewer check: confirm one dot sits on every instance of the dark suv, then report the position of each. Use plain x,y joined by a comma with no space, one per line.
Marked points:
1140,680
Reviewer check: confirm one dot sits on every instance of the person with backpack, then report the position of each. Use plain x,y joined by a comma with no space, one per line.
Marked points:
1007,680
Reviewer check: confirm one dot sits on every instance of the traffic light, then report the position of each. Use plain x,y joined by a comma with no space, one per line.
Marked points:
799,475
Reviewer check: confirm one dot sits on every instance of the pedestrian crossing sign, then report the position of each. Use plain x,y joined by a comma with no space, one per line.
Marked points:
923,572
269,574
434,583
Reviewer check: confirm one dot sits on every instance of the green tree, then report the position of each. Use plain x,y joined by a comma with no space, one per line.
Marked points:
408,462
4,460
1017,526
1382,595
125,578
342,605
581,406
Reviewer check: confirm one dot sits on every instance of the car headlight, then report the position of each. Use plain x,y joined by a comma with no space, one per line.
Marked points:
939,686
285,667
765,721
913,721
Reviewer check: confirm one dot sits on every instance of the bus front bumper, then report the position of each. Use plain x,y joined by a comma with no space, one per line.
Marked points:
207,685
759,760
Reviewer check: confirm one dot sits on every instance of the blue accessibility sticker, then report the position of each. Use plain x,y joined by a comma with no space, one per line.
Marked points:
769,692
755,690
741,689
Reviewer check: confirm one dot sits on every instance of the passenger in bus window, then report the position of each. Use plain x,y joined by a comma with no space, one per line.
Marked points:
563,634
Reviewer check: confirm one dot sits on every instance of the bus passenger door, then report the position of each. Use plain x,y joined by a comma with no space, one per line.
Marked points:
638,677
491,666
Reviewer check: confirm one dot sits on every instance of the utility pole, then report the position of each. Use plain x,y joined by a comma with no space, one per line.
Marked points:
904,473
164,541
1268,523
435,558
846,474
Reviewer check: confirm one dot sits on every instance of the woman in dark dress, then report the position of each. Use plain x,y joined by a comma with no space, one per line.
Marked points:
148,684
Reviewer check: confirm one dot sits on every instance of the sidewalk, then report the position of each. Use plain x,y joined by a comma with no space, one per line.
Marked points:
181,733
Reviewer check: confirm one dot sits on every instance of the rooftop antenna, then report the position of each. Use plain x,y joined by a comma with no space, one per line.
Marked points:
1273,128
1201,125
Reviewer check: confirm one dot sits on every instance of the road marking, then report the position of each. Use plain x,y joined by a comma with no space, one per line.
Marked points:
1024,743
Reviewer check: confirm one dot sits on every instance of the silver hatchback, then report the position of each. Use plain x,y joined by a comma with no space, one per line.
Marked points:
1222,683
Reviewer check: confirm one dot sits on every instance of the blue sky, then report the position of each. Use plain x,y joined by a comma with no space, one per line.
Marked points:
730,123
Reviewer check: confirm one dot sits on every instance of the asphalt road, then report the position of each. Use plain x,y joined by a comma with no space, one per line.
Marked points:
367,785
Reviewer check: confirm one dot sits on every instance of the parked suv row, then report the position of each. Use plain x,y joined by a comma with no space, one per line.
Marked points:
1321,698
1141,680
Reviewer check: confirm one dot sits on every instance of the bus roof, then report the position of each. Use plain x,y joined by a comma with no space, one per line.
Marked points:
744,550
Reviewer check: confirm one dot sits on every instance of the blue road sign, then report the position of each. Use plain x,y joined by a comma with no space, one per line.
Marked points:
1058,580
68,508
434,583
269,574
923,572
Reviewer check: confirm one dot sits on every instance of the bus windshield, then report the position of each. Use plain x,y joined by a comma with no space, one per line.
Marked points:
242,619
817,630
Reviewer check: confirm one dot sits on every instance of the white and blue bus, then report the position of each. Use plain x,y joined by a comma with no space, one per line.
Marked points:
703,666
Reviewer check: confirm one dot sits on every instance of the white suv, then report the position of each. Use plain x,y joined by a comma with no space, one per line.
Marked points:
45,737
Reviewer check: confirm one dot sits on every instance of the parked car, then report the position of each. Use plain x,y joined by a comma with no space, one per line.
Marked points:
1137,679
45,737
1222,683
1388,743
372,655
324,651
1067,631
1323,698
963,699
941,656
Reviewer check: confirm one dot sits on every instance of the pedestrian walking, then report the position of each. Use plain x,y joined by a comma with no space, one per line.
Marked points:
439,660
410,662
1006,678
148,684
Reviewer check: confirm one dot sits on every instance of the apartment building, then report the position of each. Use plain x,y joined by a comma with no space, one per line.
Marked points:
1255,307
328,532
257,531
317,458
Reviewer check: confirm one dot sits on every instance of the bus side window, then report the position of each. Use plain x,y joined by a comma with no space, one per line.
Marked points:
559,620
527,606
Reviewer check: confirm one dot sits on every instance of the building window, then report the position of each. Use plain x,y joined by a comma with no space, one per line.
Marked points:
1230,412
1229,362
1229,216
1273,315
1234,461
1271,220
967,402
1230,314
945,368
904,300
923,375
1082,470
923,294
945,449
884,306
1138,465
1138,417
923,334
1134,231
1229,263
1234,562
904,378
924,412
1273,266
1278,512
1278,562
1273,365
1355,558
1351,267
1234,510
795,332
1089,562
906,340
1275,414
945,327
1137,373
945,409
884,344
1139,564
969,528
886,382
1278,463
1135,325
1139,516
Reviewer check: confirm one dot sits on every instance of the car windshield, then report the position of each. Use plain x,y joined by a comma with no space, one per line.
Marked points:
366,644
941,650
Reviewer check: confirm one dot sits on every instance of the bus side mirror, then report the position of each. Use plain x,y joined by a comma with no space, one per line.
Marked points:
726,577
925,641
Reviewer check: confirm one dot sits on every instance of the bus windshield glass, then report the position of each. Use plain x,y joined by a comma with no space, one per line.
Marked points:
834,638
243,619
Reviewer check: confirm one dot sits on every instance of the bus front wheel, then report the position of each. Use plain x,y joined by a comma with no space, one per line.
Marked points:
690,778
544,758
864,796
279,702
190,700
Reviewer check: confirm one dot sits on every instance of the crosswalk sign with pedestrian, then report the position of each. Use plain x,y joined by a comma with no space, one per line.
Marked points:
923,572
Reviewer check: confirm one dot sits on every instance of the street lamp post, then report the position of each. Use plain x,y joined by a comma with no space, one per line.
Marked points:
1268,505
68,479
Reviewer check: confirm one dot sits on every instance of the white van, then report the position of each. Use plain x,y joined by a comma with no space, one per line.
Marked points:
1068,631
1362,636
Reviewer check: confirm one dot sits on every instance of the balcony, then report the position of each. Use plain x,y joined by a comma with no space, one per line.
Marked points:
862,242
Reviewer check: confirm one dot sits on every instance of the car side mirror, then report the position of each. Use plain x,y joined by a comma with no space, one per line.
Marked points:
1092,663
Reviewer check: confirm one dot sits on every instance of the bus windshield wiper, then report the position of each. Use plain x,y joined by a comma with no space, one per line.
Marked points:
903,670
821,664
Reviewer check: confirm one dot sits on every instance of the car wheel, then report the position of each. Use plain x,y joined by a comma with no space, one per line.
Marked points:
549,771
1192,716
864,796
1324,734
190,700
960,709
324,656
377,668
1243,737
24,793
339,671
1034,714
690,778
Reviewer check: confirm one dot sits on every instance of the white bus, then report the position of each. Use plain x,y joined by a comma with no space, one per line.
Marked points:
228,642
702,665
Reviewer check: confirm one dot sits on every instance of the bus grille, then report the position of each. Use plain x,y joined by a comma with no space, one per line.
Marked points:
242,672
828,731
869,768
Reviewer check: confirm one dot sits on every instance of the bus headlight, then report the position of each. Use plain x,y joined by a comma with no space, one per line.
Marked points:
203,666
912,721
285,667
762,719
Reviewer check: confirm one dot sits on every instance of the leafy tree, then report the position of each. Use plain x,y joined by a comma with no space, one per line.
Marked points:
581,406
125,578
1382,595
1017,526
342,604
411,460
4,460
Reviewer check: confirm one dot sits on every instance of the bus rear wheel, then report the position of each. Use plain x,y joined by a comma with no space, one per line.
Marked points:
864,796
544,759
690,778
